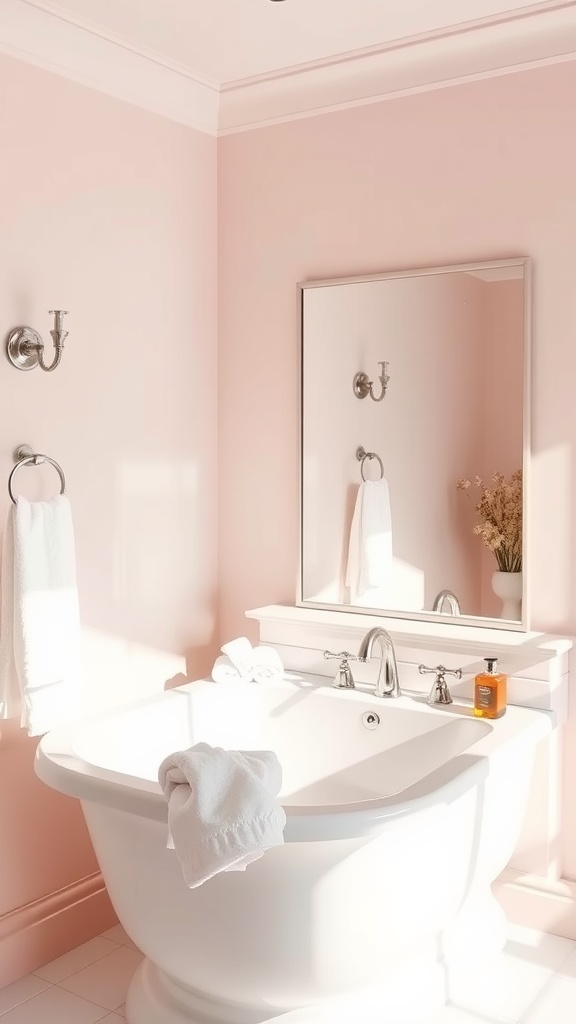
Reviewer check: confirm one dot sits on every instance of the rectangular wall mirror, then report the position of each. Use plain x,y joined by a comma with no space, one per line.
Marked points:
451,348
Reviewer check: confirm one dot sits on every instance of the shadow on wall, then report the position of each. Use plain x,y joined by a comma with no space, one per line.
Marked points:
117,670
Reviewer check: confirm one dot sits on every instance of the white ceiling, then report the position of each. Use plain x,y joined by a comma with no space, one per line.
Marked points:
221,41
224,66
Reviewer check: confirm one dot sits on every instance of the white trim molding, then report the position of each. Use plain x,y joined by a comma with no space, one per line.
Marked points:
36,33
39,32
548,905
530,38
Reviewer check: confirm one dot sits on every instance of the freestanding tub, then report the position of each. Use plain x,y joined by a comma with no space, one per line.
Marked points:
395,831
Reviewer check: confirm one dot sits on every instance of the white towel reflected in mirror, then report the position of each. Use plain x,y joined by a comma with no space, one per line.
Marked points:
370,555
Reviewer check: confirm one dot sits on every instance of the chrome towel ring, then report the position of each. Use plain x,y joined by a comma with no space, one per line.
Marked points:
26,457
362,455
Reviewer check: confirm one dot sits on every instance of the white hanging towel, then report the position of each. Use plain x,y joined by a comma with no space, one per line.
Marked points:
370,549
222,811
40,622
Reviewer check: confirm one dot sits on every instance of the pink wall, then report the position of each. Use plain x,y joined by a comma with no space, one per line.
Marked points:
109,212
478,171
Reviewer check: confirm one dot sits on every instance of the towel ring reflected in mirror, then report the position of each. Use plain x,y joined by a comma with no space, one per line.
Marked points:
26,457
362,455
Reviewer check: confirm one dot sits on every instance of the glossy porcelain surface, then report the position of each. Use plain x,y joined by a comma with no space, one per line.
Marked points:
394,835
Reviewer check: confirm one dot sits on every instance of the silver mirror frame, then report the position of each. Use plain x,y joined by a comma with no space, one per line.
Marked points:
522,625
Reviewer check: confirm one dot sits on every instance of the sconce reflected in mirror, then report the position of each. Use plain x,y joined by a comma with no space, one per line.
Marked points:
25,348
362,386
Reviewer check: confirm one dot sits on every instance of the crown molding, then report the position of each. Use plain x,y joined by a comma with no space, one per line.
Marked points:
533,37
38,32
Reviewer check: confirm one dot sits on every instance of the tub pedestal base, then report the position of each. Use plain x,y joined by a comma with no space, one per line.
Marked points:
153,997
477,934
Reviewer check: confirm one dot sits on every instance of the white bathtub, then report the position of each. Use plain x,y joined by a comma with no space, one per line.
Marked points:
393,837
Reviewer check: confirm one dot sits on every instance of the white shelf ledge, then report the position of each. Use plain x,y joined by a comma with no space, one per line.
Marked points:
525,649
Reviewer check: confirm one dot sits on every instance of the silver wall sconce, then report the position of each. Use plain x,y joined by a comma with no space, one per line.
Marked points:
362,386
25,348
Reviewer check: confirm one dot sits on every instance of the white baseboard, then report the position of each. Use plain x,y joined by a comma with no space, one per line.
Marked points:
39,931
535,902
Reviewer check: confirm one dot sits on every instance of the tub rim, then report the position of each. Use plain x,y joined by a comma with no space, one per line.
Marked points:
58,765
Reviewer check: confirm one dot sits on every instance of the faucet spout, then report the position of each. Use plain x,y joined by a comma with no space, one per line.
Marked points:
446,597
387,684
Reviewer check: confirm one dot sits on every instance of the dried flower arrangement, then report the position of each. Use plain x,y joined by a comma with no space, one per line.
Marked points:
500,511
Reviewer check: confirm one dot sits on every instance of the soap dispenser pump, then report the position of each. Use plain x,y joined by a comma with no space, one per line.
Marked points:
490,691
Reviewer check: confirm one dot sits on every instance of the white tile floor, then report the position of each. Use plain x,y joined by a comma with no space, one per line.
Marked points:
532,982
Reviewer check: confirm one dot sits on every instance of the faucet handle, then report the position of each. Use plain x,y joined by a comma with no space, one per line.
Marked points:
440,694
343,679
440,670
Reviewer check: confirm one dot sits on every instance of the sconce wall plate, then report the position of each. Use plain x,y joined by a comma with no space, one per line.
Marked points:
22,347
25,348
361,384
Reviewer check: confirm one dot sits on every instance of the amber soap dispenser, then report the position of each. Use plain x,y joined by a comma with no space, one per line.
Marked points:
490,691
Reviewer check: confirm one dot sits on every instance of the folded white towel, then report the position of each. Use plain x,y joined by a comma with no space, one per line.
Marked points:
267,665
370,550
239,652
222,811
249,664
223,671
40,626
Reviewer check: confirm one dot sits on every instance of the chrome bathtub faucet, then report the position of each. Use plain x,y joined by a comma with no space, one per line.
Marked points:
387,684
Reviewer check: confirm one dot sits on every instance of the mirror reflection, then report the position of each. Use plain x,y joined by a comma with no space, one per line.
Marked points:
413,441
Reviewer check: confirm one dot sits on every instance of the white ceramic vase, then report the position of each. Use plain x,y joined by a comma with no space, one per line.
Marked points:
508,587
